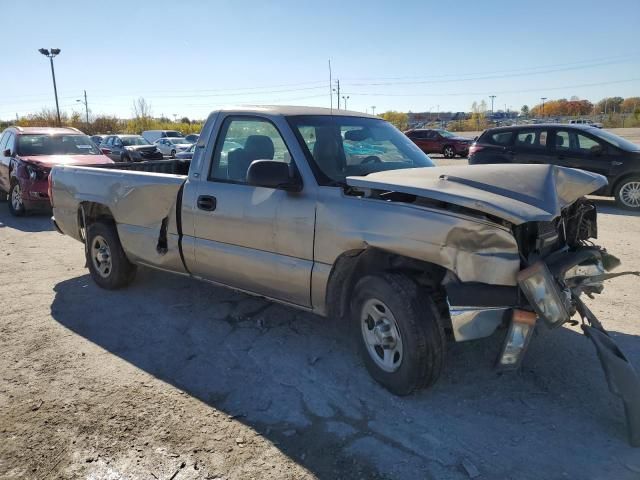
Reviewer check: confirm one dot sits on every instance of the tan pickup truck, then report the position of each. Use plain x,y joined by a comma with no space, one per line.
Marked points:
340,214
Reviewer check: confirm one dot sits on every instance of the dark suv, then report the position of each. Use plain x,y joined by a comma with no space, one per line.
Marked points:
439,141
576,146
129,148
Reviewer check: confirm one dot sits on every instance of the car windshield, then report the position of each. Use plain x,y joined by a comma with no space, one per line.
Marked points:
446,134
615,140
32,145
174,133
129,141
345,146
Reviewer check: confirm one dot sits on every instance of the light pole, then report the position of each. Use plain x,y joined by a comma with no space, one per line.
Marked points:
50,55
86,107
492,97
337,91
543,99
373,109
345,98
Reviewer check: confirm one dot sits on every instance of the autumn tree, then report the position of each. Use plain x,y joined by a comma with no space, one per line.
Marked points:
399,119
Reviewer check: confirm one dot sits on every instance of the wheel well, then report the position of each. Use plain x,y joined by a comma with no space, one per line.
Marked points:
353,265
91,212
622,179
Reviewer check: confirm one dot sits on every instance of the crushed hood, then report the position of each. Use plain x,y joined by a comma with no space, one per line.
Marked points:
516,193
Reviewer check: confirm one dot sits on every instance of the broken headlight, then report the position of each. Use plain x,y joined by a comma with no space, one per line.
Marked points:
543,294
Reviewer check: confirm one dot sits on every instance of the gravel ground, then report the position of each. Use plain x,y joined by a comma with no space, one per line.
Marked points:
176,379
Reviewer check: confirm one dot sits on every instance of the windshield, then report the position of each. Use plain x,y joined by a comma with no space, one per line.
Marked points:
446,134
340,147
32,145
615,140
173,133
129,141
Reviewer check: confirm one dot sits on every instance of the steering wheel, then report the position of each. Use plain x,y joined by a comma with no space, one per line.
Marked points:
371,159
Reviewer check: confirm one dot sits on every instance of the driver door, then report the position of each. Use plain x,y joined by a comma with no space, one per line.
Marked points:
256,239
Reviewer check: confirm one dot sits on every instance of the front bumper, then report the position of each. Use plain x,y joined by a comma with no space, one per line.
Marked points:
35,194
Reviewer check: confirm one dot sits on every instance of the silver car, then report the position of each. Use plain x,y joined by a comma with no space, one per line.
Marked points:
170,145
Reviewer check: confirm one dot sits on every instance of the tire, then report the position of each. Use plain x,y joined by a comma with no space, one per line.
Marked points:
402,310
173,154
448,151
16,204
108,264
627,193
125,158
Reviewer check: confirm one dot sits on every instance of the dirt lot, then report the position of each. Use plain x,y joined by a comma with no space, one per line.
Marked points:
175,379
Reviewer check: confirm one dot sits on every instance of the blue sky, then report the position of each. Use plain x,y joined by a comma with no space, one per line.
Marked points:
189,57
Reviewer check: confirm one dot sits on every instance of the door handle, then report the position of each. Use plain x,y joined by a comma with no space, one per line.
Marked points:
616,163
207,203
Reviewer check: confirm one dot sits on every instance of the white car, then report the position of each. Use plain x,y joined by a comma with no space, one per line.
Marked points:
172,145
582,121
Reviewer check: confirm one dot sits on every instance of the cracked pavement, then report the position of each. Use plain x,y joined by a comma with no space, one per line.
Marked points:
173,378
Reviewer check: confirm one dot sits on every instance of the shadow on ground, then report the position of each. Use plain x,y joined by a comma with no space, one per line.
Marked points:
608,206
40,222
295,378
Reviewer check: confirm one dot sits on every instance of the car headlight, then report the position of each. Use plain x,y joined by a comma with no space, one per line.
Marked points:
33,173
543,294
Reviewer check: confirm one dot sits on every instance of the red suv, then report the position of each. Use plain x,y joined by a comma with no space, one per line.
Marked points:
440,141
27,155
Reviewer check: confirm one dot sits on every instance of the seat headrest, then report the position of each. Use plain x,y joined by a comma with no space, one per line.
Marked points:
259,147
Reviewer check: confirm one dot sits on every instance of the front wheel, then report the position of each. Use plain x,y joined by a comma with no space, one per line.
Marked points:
448,152
627,193
16,202
173,154
401,336
108,264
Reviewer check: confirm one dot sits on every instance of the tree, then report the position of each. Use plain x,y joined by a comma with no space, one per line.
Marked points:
141,115
630,105
185,120
609,105
399,119
525,110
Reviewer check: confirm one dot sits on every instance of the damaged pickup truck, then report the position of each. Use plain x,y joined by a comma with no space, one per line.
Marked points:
340,214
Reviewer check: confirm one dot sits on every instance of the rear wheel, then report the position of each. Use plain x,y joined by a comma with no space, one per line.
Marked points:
108,264
401,337
173,154
448,151
627,193
16,202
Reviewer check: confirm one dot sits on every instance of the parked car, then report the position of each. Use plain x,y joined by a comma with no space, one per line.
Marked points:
27,155
172,145
97,139
583,121
404,250
152,135
440,141
576,146
192,137
187,154
129,148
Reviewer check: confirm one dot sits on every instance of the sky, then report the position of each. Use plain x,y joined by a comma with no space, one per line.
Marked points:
187,57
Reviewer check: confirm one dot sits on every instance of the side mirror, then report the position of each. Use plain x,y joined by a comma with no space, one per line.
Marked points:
106,151
6,153
272,174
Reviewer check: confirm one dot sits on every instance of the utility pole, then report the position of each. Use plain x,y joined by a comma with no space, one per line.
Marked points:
492,97
50,55
543,99
86,107
345,98
337,90
373,109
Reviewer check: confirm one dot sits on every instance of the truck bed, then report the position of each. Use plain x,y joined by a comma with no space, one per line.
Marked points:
173,166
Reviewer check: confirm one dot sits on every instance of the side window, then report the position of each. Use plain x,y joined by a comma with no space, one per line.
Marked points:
501,138
588,145
3,141
9,143
431,135
240,142
565,140
109,141
531,139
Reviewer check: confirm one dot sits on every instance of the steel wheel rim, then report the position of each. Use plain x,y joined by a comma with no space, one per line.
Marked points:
101,256
630,194
381,335
16,197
